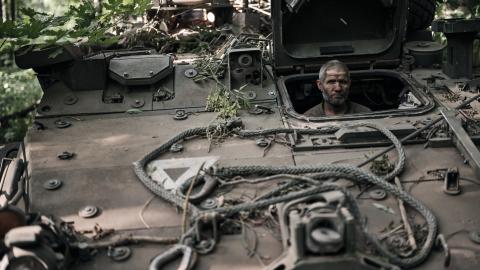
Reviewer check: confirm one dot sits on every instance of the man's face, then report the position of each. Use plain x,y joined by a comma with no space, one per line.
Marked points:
335,87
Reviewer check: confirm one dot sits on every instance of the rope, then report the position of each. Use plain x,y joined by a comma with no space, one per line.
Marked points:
232,171
157,188
321,171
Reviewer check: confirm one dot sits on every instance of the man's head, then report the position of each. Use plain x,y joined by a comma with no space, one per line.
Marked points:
334,82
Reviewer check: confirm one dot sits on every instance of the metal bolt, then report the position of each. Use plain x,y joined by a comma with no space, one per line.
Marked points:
66,155
70,100
475,237
271,93
250,95
62,123
190,73
119,253
262,142
137,103
125,74
209,204
88,211
52,184
180,115
150,72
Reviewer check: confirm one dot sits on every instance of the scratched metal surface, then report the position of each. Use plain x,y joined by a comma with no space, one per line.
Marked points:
101,174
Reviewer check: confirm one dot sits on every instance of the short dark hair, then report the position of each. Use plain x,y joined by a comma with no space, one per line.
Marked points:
332,64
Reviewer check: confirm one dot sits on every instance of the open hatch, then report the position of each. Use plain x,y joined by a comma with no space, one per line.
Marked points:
385,92
366,35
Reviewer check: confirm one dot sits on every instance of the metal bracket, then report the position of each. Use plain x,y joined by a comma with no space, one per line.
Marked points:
462,140
186,253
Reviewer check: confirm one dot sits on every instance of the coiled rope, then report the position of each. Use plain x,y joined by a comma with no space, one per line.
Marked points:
321,171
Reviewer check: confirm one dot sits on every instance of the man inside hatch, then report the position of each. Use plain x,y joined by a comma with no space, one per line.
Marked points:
334,83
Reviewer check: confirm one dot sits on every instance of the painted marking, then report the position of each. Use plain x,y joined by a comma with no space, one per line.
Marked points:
156,169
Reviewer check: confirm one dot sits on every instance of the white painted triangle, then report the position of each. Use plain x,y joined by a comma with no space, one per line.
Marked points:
156,169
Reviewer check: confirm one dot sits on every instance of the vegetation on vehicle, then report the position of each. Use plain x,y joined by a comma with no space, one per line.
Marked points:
273,169
111,23
34,30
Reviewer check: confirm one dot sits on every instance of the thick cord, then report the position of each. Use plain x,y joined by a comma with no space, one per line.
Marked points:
324,171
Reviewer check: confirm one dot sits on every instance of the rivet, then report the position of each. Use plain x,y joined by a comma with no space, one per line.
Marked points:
88,211
119,253
180,115
52,184
475,237
262,142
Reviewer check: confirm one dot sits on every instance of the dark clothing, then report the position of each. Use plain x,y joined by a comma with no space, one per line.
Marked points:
352,107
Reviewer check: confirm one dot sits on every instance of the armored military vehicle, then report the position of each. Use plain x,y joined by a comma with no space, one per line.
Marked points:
125,168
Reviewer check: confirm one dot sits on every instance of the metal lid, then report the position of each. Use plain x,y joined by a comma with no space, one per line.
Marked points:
356,32
140,69
424,46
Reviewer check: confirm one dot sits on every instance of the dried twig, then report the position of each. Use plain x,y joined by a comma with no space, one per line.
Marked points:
403,212
129,240
187,198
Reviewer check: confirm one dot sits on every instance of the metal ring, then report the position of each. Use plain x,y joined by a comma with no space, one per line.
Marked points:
245,60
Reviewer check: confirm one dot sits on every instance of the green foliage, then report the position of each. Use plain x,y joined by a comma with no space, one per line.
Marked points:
19,89
220,100
458,8
81,24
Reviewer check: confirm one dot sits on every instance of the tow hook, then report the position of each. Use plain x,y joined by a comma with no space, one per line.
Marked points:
187,254
209,185
441,243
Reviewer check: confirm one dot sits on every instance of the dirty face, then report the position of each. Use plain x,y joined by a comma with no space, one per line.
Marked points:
335,87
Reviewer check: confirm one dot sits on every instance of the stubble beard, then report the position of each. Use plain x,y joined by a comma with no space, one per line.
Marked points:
335,102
